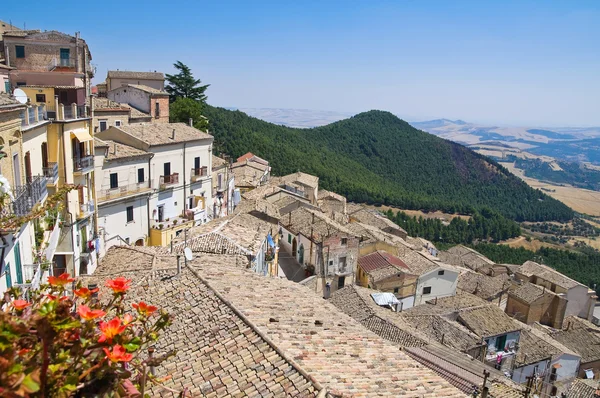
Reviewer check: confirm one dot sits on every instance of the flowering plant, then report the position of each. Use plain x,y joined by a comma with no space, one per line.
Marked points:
55,345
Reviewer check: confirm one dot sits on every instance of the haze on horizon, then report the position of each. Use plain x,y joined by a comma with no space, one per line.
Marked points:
502,62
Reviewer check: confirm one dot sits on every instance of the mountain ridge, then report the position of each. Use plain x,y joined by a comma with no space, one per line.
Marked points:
375,157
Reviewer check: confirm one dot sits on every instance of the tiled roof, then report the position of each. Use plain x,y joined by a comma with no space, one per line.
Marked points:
370,234
124,74
312,224
105,104
357,302
302,178
374,219
442,330
147,89
218,162
530,268
260,206
335,349
252,157
463,372
421,263
243,230
483,286
118,151
328,195
461,300
532,349
135,113
581,336
529,293
463,256
217,351
487,320
584,388
380,259
161,133
9,102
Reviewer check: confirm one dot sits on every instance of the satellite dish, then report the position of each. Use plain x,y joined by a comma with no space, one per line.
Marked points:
188,254
20,95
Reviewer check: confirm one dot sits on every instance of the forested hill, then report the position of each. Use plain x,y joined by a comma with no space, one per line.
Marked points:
375,157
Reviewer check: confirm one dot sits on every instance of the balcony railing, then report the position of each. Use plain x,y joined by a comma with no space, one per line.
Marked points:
131,189
169,180
74,111
83,163
86,209
62,63
51,173
32,274
33,115
199,173
27,196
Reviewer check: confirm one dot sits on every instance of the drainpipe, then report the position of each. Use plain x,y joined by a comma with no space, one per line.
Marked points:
150,192
94,196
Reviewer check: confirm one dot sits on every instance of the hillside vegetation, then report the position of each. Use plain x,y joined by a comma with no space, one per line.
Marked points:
374,157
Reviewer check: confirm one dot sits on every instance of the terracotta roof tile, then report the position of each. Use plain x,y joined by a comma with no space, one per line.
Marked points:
487,320
125,74
161,133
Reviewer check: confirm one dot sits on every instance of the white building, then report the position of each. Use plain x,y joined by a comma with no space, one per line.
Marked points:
435,279
179,170
122,192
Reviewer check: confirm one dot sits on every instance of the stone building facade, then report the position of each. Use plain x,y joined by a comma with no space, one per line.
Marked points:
145,99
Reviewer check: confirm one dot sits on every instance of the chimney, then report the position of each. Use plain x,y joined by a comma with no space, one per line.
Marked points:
173,134
191,122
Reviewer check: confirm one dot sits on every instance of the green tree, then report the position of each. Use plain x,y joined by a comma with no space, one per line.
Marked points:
184,109
184,85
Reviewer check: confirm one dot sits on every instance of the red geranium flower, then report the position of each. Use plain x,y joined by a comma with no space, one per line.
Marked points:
85,293
110,330
61,280
86,313
119,285
20,304
118,354
53,297
144,309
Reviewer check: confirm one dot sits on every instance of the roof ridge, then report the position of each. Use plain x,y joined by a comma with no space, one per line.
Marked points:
259,332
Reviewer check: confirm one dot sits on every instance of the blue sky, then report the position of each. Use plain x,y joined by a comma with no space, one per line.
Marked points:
503,62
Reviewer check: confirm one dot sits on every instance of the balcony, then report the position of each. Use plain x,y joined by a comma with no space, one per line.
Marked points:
168,180
61,64
74,111
27,196
51,173
33,115
127,190
82,165
86,209
197,174
32,274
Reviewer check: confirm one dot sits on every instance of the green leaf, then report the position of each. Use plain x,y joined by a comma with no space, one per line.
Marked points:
131,347
67,323
30,385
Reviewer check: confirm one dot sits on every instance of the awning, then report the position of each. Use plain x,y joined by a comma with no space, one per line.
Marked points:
82,135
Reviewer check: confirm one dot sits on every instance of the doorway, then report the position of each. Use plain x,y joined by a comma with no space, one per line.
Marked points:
161,213
294,248
301,254
17,170
139,242
28,175
341,281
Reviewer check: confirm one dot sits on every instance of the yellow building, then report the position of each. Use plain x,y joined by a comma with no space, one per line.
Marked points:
387,273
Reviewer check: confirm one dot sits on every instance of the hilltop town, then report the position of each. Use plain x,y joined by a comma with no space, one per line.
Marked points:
278,287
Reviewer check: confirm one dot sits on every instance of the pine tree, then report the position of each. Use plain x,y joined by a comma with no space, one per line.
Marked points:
183,84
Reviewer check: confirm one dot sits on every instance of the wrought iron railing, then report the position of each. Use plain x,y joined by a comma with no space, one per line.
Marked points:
27,196
83,163
106,194
169,180
61,62
51,172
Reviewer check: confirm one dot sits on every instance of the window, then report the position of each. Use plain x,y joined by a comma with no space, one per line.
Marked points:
441,272
167,169
65,54
344,241
117,123
20,84
427,290
156,110
396,290
103,125
114,180
40,98
129,213
140,175
289,238
197,163
20,50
